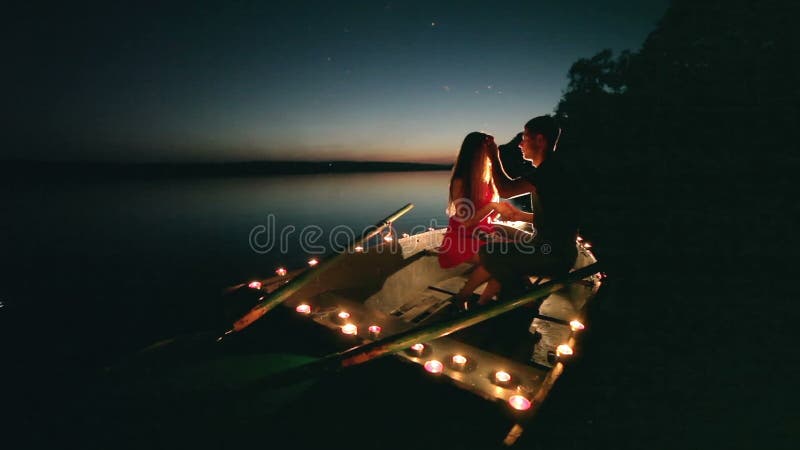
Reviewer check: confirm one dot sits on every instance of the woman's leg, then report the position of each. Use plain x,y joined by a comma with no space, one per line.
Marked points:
491,290
476,278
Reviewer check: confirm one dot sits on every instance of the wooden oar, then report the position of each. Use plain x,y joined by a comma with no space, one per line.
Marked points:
286,291
401,341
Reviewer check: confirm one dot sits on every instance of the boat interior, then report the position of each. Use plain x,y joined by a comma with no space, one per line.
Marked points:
398,285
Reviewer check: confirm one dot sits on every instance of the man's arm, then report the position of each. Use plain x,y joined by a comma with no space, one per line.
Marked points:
506,186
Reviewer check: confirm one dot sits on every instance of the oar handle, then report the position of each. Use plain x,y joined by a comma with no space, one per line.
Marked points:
384,223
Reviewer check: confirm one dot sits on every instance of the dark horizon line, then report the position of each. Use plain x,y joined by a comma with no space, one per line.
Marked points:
180,169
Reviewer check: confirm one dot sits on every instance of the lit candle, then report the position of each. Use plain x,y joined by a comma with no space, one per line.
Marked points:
434,366
374,331
418,349
502,377
344,315
519,402
576,325
350,329
459,361
281,272
564,350
303,308
313,262
254,285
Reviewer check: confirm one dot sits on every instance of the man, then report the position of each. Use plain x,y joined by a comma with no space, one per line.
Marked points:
554,216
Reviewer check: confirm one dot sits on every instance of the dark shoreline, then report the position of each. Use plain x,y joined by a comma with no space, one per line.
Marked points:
102,170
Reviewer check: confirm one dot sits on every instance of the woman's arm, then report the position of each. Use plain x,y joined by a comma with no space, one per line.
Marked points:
463,207
480,214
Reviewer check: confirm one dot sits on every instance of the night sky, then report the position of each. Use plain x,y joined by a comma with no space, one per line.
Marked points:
403,81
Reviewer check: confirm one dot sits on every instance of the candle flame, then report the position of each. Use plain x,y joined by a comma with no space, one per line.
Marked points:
502,376
519,402
576,325
564,350
434,366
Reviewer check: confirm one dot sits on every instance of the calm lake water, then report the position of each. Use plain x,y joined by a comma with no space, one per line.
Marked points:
135,261
92,272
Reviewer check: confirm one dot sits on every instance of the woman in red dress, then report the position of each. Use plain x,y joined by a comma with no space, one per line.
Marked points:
473,197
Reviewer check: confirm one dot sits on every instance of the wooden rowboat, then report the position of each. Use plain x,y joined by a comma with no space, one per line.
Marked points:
392,297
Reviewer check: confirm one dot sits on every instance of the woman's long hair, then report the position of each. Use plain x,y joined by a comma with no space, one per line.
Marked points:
474,169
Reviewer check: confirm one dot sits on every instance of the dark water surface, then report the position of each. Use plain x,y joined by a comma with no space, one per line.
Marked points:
92,272
137,261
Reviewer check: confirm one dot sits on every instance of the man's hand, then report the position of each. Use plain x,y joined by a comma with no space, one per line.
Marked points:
512,213
505,209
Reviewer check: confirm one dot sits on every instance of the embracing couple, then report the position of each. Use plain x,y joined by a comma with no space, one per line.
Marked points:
477,184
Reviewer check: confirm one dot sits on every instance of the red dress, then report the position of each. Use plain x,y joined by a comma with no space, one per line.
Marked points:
460,243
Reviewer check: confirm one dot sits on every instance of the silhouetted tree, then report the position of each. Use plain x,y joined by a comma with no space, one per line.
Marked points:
713,81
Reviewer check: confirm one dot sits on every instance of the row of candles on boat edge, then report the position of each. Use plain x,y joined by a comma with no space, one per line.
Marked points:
282,272
458,362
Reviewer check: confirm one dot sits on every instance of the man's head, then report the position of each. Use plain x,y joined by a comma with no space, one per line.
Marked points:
539,139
